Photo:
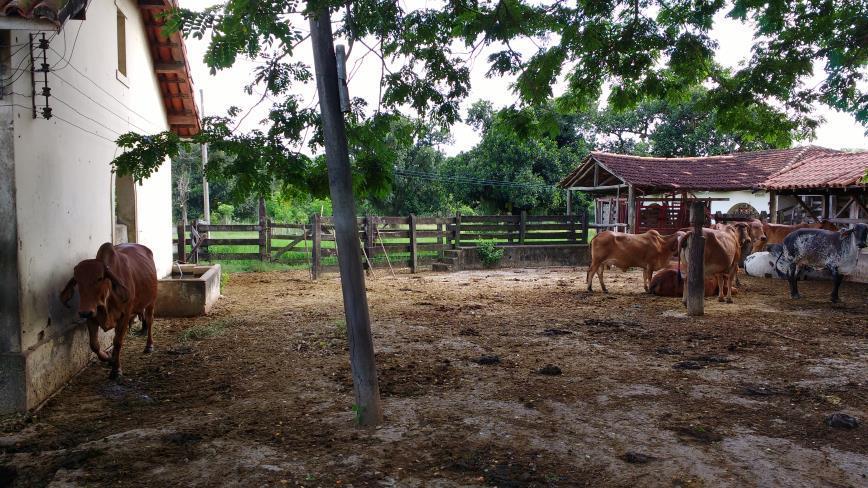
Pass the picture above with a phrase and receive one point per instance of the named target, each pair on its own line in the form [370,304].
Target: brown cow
[118,285]
[777,232]
[649,251]
[667,283]
[723,250]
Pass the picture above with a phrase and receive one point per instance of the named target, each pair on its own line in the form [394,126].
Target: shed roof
[837,170]
[736,171]
[55,11]
[168,53]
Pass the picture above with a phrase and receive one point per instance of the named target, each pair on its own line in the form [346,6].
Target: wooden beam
[183,119]
[806,208]
[845,207]
[153,5]
[170,67]
[596,188]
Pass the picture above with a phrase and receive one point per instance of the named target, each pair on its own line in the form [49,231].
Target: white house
[76,74]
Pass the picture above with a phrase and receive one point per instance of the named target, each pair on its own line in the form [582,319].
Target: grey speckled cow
[837,252]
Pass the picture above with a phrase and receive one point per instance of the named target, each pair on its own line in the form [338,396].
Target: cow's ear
[68,290]
[118,286]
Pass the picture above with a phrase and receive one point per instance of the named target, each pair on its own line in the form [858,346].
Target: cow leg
[794,281]
[600,275]
[721,286]
[837,278]
[148,321]
[590,276]
[729,285]
[120,333]
[649,273]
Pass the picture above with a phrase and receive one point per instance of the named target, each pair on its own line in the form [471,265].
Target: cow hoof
[729,300]
[149,349]
[835,300]
[605,290]
[116,375]
[795,297]
[720,299]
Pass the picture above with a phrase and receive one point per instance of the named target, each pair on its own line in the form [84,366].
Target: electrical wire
[110,95]
[74,42]
[87,117]
[82,128]
[100,104]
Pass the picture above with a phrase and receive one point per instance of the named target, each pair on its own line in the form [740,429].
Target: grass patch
[205,331]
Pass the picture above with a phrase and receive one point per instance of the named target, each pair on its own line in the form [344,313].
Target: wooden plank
[233,242]
[229,228]
[289,246]
[433,220]
[275,225]
[532,226]
[561,219]
[230,256]
[481,228]
[474,219]
[476,236]
[392,220]
[565,235]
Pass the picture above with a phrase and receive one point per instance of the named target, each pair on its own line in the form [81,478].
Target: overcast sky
[839,131]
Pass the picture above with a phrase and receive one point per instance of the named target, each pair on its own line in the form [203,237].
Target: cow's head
[859,232]
[96,283]
[745,243]
[757,234]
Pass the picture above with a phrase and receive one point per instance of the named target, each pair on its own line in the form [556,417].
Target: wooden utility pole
[206,201]
[694,292]
[368,408]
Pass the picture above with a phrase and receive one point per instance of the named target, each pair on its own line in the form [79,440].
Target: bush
[489,253]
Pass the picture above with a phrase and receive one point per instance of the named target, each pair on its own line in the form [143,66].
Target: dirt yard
[259,393]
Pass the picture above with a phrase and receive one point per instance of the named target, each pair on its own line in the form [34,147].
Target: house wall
[64,199]
[758,200]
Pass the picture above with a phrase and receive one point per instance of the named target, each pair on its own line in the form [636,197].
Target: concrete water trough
[189,291]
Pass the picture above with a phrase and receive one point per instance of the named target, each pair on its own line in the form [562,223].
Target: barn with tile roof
[640,193]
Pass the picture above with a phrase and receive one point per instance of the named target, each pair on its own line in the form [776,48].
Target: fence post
[572,236]
[439,240]
[263,231]
[205,251]
[585,226]
[413,256]
[370,229]
[456,231]
[694,292]
[194,242]
[182,243]
[522,226]
[315,248]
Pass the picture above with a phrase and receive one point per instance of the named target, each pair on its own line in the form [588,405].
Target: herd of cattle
[792,252]
[120,284]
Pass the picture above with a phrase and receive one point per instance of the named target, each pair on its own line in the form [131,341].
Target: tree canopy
[641,49]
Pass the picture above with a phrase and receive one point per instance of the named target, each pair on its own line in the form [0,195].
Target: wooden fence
[411,240]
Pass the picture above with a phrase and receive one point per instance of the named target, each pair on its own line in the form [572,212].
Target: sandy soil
[646,397]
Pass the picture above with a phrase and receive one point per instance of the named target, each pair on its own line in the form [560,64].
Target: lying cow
[837,252]
[649,251]
[669,283]
[118,285]
[722,253]
[772,264]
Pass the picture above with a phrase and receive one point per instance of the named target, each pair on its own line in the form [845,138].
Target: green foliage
[223,214]
[205,331]
[489,253]
[644,50]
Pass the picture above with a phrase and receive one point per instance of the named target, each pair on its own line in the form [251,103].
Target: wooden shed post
[315,250]
[631,210]
[585,225]
[569,202]
[413,255]
[694,292]
[440,246]
[773,206]
[522,226]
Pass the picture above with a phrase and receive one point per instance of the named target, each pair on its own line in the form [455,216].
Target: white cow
[763,264]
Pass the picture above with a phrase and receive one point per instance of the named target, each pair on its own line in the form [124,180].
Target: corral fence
[407,241]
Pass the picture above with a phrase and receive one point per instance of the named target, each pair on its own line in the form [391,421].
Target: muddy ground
[259,392]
